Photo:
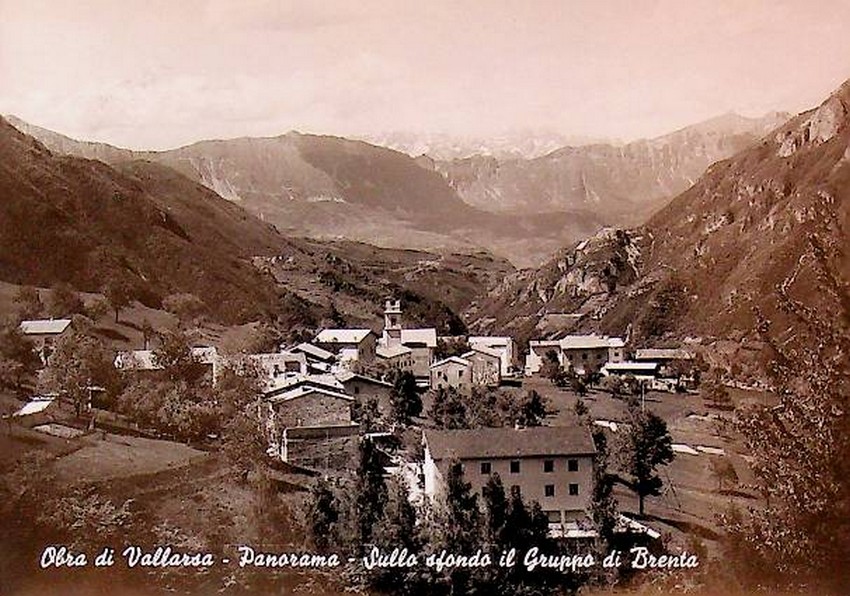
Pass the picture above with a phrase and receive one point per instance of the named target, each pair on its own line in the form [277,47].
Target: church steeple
[392,322]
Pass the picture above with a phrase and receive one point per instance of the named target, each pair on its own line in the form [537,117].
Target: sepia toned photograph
[393,298]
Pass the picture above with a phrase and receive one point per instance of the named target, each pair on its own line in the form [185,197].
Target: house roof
[314,351]
[452,360]
[636,366]
[34,406]
[579,342]
[490,340]
[419,336]
[306,390]
[44,326]
[484,350]
[509,442]
[663,354]
[342,336]
[344,376]
[283,384]
[144,359]
[391,351]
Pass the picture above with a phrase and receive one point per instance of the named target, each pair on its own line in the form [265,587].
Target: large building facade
[552,465]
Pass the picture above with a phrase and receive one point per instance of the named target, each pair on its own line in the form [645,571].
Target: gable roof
[283,384]
[314,351]
[419,336]
[452,360]
[344,376]
[342,336]
[578,342]
[44,326]
[485,351]
[307,390]
[489,340]
[508,442]
[391,351]
[636,366]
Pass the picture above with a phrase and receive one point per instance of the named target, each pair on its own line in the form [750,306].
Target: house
[642,371]
[504,346]
[452,372]
[44,333]
[311,405]
[281,385]
[673,362]
[486,366]
[144,361]
[349,345]
[420,342]
[395,357]
[279,364]
[318,359]
[583,353]
[552,465]
[311,426]
[364,388]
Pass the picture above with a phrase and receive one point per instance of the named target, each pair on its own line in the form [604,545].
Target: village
[431,407]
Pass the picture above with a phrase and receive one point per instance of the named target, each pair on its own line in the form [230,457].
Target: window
[554,516]
[573,489]
[548,465]
[549,490]
[485,467]
[460,374]
[584,356]
[357,390]
[515,467]
[572,465]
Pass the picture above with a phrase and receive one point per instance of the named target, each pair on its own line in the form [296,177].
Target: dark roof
[509,442]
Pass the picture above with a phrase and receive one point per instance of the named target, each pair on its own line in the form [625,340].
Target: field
[693,496]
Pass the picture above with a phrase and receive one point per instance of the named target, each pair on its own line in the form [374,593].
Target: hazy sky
[160,73]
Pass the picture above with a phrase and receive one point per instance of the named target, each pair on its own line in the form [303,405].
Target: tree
[716,393]
[18,360]
[463,523]
[450,347]
[581,409]
[371,490]
[603,504]
[323,515]
[448,410]
[28,302]
[175,356]
[97,308]
[533,409]
[496,506]
[63,301]
[801,446]
[404,398]
[553,370]
[147,331]
[724,472]
[186,307]
[118,293]
[649,445]
[78,364]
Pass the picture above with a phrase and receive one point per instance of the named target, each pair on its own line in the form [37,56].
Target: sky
[163,73]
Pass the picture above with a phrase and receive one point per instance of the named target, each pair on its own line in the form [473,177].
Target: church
[406,349]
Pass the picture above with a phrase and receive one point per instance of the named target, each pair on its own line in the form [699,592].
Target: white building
[503,345]
[582,353]
[421,343]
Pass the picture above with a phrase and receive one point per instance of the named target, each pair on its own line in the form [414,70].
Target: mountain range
[622,184]
[521,209]
[705,263]
[149,227]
